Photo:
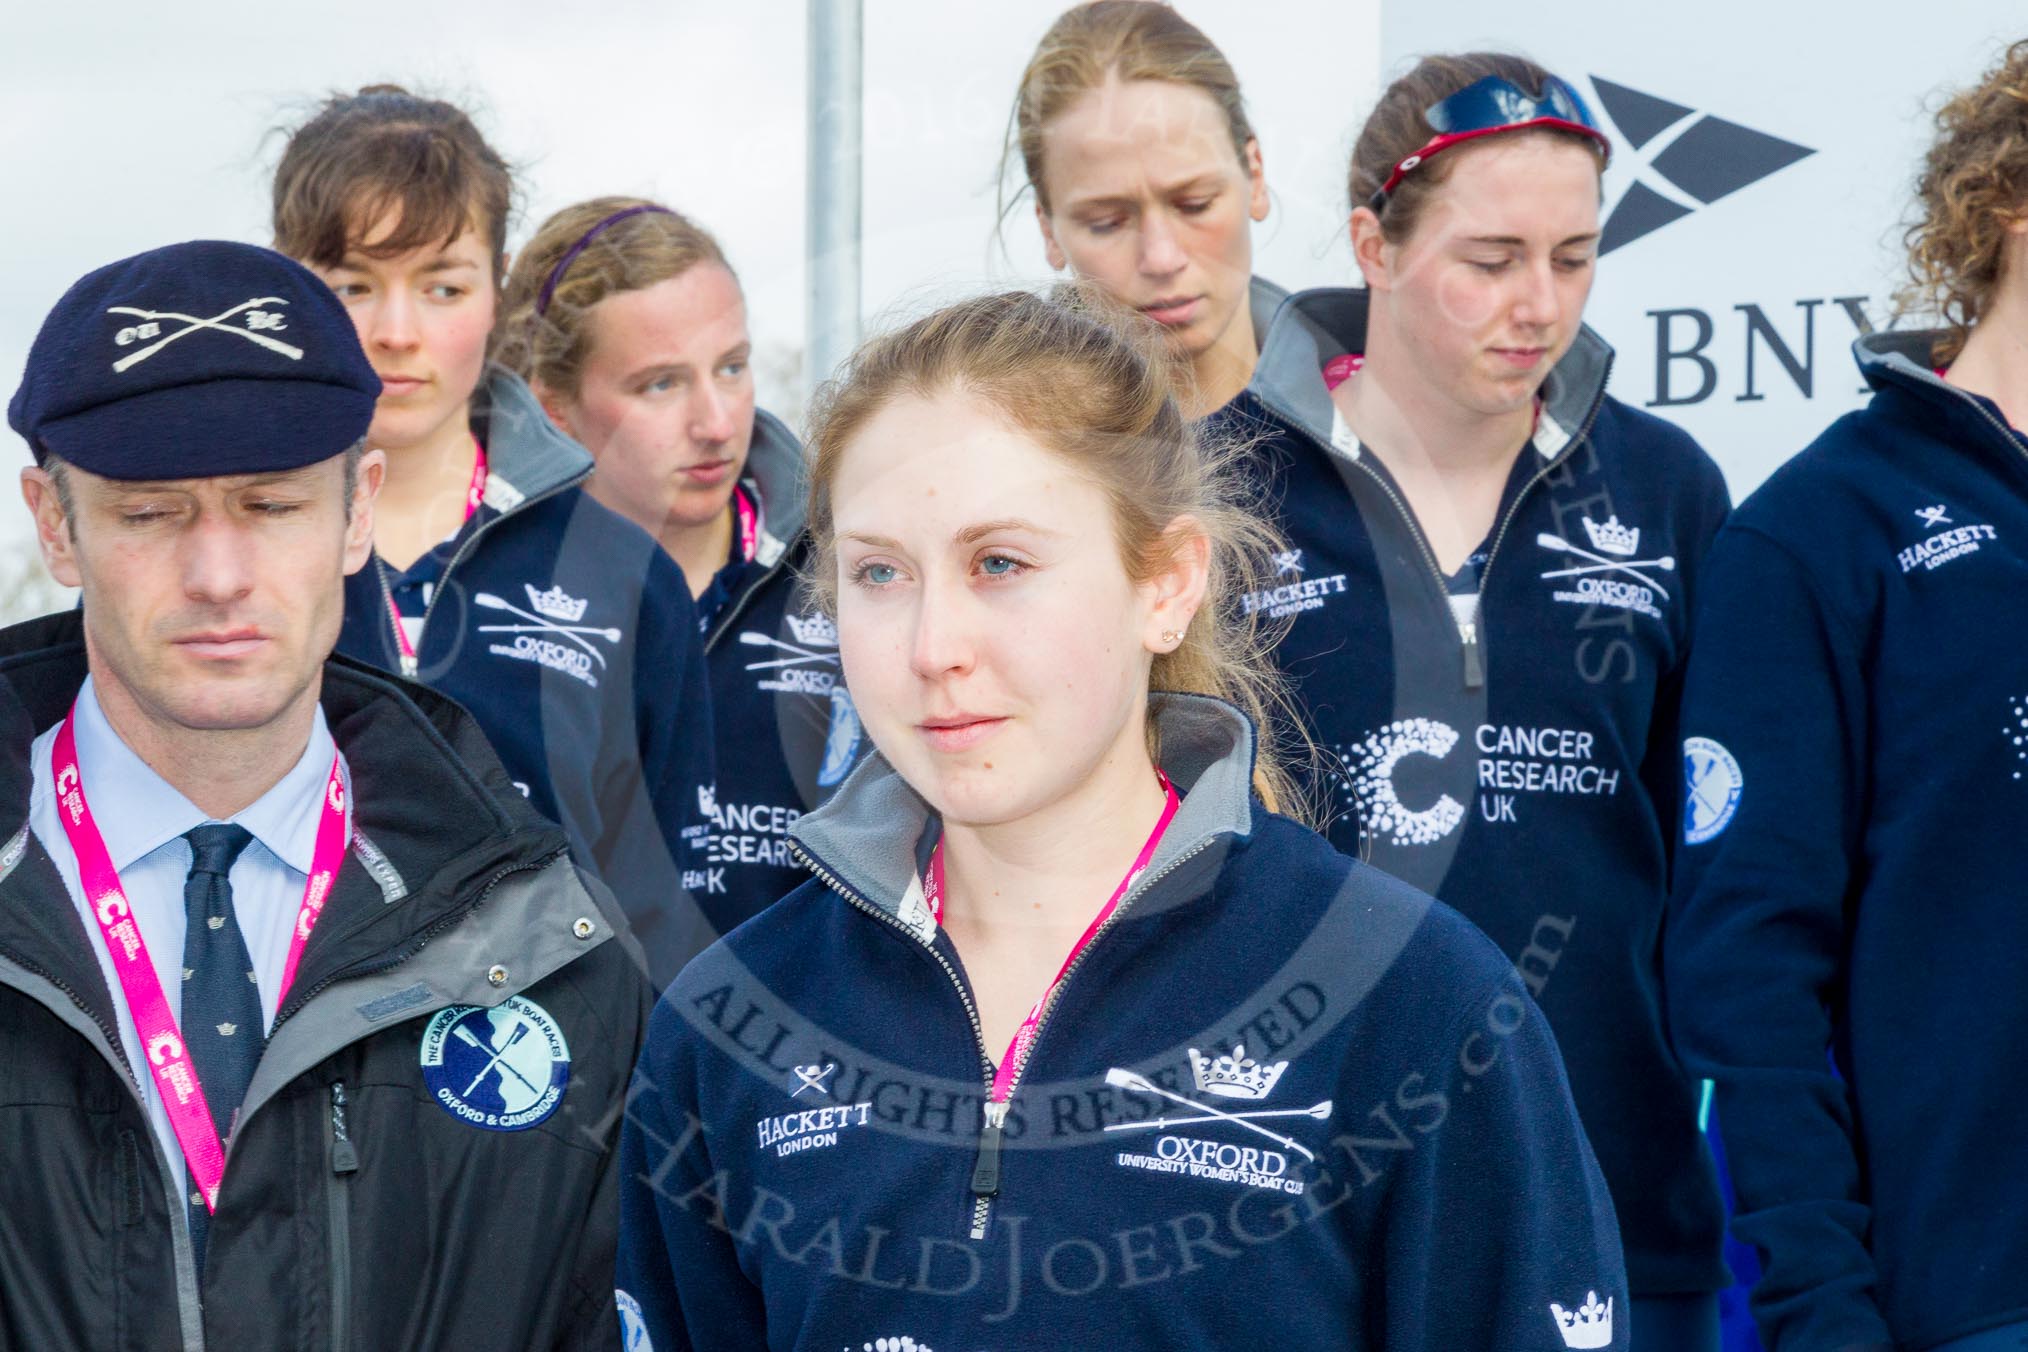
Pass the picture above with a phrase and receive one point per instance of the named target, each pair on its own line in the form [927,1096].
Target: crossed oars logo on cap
[192,324]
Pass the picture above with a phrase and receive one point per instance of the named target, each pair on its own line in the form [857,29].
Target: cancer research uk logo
[1237,1079]
[502,1069]
[1516,763]
[1674,160]
[550,632]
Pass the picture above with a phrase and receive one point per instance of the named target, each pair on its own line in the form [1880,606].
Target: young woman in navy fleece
[630,326]
[1074,1042]
[1135,144]
[1488,596]
[1844,955]
[495,579]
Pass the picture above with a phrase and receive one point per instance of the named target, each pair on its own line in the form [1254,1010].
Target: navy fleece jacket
[1515,756]
[1281,1101]
[787,734]
[570,635]
[1845,949]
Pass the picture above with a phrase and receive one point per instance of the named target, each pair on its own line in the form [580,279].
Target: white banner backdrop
[1763,156]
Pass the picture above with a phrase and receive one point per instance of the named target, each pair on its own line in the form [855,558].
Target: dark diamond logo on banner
[1708,159]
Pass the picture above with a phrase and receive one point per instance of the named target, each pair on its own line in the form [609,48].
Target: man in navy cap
[310,1032]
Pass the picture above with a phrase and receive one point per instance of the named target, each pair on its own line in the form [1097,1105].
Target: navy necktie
[221,1021]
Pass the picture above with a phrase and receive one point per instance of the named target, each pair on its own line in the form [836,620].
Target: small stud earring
[1172,636]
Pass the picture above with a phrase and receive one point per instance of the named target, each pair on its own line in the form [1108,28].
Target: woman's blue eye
[877,574]
[998,565]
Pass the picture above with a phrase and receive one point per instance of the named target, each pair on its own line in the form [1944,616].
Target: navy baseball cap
[194,361]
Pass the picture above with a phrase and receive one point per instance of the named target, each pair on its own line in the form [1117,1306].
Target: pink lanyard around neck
[182,1095]
[1024,1037]
[475,496]
[749,517]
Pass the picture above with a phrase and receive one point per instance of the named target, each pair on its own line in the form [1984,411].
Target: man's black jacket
[360,1209]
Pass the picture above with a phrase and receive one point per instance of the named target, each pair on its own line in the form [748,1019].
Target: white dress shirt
[142,820]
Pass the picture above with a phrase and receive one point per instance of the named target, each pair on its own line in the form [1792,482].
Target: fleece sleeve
[1499,1233]
[1662,761]
[679,1280]
[656,824]
[1774,754]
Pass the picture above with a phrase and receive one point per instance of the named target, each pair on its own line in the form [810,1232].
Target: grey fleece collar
[1263,298]
[866,835]
[1317,325]
[527,455]
[774,462]
[1905,353]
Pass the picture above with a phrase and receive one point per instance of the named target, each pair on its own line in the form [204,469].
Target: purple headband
[570,255]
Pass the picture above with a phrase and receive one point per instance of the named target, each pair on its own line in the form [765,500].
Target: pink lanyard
[749,524]
[182,1095]
[475,494]
[1024,1037]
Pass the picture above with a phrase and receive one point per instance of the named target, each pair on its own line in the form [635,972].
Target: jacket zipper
[338,1196]
[988,1160]
[985,1181]
[411,665]
[986,1166]
[1468,630]
[737,606]
[2007,434]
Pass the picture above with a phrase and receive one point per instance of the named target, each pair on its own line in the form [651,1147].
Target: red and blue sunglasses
[1492,105]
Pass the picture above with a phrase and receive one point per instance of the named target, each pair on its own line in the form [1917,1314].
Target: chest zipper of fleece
[981,1205]
[338,1198]
[985,1185]
[1470,642]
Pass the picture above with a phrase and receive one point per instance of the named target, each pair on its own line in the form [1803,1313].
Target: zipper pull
[409,666]
[986,1171]
[1475,667]
[344,1156]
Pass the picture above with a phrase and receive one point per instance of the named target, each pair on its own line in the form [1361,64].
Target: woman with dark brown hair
[1488,596]
[1844,955]
[495,577]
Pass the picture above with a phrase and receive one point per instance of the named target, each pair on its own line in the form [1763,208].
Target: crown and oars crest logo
[817,630]
[1612,537]
[1590,1325]
[556,604]
[1236,1076]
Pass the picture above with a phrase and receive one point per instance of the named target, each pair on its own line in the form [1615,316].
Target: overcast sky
[124,126]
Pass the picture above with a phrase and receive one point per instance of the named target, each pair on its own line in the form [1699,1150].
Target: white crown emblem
[1589,1325]
[816,630]
[1235,1076]
[1612,537]
[707,800]
[557,604]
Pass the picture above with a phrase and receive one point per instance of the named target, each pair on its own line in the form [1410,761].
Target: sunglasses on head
[1491,105]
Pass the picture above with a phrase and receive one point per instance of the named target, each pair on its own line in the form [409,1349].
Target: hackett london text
[1945,545]
[810,1129]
